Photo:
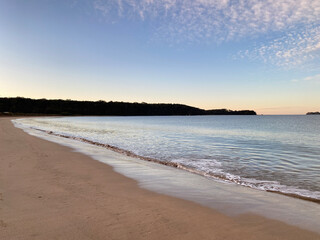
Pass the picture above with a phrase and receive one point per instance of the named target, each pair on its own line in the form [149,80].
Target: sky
[262,55]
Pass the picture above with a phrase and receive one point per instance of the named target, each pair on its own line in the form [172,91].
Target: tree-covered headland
[27,106]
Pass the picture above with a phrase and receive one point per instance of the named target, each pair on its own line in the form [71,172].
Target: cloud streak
[223,19]
[291,50]
[312,79]
[227,20]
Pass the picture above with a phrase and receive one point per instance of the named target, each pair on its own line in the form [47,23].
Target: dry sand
[49,192]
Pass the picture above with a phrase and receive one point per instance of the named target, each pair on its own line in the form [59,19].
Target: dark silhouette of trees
[229,112]
[21,105]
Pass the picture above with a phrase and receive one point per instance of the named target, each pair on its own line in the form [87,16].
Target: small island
[313,113]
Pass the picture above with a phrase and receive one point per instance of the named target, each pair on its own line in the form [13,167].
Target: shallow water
[225,197]
[274,153]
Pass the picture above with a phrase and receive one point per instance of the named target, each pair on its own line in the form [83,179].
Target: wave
[213,172]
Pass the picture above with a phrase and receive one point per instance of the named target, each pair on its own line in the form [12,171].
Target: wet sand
[47,191]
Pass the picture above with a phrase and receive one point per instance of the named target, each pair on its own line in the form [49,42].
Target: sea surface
[269,153]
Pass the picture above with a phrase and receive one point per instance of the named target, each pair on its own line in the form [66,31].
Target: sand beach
[48,191]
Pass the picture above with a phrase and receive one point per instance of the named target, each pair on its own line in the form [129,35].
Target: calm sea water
[274,153]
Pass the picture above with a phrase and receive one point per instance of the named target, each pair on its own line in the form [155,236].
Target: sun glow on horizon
[259,55]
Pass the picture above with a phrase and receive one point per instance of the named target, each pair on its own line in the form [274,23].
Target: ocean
[270,153]
[233,164]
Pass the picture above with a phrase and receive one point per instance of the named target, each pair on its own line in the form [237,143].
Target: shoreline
[49,191]
[171,164]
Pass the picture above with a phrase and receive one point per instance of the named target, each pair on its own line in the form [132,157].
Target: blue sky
[236,54]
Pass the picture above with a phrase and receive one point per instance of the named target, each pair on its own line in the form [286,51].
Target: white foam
[207,167]
[227,198]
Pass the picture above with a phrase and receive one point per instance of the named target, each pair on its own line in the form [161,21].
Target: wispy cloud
[220,19]
[291,50]
[226,20]
[312,79]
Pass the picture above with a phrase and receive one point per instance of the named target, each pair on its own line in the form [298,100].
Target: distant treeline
[313,113]
[29,106]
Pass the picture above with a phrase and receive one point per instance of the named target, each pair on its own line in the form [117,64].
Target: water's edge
[230,199]
[173,164]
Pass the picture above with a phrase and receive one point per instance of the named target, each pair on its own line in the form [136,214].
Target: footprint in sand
[2,224]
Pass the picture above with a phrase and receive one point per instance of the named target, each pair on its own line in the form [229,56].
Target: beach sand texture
[47,191]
